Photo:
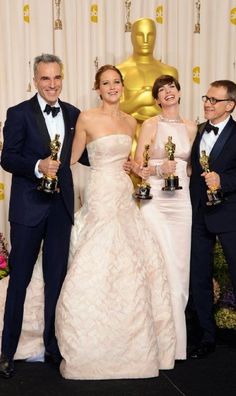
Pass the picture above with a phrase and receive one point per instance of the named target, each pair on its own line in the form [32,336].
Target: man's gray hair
[47,58]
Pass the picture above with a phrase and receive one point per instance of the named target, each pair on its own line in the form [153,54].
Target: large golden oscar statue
[140,71]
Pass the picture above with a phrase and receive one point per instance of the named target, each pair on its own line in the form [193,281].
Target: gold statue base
[214,197]
[49,184]
[142,191]
[171,184]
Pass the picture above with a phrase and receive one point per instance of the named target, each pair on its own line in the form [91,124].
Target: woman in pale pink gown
[31,345]
[114,316]
[169,213]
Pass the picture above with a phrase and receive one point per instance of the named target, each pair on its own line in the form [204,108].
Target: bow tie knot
[51,109]
[209,128]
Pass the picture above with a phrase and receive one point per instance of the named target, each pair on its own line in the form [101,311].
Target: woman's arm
[79,141]
[146,134]
[192,131]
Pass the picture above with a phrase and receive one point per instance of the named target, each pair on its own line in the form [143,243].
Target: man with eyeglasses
[217,137]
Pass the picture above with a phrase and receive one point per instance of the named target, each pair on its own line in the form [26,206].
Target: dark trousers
[201,272]
[54,231]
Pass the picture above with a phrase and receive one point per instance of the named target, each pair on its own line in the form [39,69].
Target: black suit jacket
[222,160]
[26,140]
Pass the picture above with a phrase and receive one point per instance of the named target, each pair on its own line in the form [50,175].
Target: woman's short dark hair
[161,81]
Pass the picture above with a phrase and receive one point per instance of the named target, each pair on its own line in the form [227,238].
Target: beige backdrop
[93,34]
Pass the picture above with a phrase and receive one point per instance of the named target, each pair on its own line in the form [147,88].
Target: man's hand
[48,166]
[212,180]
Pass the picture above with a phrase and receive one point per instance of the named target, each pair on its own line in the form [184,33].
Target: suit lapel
[201,128]
[41,124]
[66,142]
[42,127]
[219,145]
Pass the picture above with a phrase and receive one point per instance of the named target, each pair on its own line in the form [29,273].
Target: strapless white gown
[31,344]
[114,316]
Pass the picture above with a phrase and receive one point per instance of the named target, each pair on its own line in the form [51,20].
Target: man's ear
[230,105]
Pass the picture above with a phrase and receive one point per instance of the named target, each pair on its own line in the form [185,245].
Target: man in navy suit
[217,137]
[38,217]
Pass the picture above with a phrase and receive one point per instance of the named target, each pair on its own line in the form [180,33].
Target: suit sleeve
[15,157]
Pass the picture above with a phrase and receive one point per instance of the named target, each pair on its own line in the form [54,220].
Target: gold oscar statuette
[128,24]
[143,189]
[214,195]
[49,184]
[197,28]
[171,181]
[58,21]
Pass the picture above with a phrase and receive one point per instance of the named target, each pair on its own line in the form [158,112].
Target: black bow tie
[209,128]
[51,109]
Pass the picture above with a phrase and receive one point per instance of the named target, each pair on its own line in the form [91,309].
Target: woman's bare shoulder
[150,123]
[87,114]
[190,123]
[129,118]
[191,127]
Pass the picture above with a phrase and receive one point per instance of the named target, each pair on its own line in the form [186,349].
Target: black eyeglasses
[213,101]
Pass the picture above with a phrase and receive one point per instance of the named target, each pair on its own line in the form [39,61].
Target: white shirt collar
[42,102]
[221,124]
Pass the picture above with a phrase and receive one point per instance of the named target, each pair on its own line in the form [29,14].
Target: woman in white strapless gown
[114,317]
[169,213]
[31,345]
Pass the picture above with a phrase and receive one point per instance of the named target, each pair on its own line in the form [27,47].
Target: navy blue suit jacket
[26,140]
[222,160]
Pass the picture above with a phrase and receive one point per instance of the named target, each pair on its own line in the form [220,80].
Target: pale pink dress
[169,217]
[31,346]
[114,316]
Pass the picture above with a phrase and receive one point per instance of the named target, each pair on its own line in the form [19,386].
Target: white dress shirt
[55,126]
[209,138]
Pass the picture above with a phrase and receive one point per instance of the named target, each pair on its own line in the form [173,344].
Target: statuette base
[142,192]
[49,185]
[214,197]
[171,184]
